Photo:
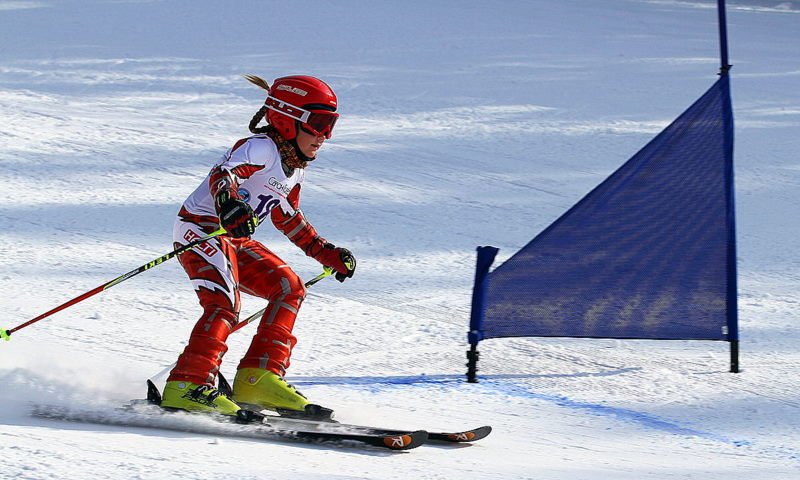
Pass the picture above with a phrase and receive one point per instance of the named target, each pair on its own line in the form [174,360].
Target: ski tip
[405,441]
[5,335]
[466,436]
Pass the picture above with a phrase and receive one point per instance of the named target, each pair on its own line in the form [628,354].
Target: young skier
[257,180]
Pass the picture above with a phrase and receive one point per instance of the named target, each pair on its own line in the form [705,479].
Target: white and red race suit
[223,267]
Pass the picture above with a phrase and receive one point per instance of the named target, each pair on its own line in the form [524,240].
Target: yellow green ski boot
[263,389]
[197,398]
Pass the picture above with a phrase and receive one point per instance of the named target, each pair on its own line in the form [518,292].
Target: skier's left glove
[340,259]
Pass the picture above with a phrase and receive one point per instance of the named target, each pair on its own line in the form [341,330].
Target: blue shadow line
[438,379]
[623,414]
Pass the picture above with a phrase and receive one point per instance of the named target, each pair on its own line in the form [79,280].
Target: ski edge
[465,436]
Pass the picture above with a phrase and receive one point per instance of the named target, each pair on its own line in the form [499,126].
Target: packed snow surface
[463,124]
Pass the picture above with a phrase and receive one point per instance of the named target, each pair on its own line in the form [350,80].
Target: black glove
[237,217]
[338,258]
[349,261]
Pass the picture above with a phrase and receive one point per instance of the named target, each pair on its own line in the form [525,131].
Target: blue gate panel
[649,253]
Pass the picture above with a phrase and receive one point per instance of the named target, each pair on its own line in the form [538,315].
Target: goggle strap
[293,111]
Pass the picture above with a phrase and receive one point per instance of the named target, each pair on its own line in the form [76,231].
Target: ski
[464,436]
[246,425]
[316,417]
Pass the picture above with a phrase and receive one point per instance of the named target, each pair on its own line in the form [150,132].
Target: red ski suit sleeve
[296,227]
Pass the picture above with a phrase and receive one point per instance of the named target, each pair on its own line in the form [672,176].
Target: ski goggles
[316,122]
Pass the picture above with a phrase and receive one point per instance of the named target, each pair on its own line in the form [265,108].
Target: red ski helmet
[303,100]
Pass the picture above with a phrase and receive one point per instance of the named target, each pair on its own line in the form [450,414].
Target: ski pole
[327,271]
[147,266]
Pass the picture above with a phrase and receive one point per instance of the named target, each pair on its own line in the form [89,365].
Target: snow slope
[463,124]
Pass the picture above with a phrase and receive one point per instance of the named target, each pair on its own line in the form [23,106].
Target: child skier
[258,179]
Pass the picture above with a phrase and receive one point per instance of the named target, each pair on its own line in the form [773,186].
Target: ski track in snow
[462,125]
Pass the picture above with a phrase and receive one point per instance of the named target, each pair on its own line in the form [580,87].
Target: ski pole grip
[4,334]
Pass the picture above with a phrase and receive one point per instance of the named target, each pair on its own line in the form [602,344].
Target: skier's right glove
[338,258]
[236,216]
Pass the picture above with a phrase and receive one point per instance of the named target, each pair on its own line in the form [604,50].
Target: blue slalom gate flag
[649,253]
